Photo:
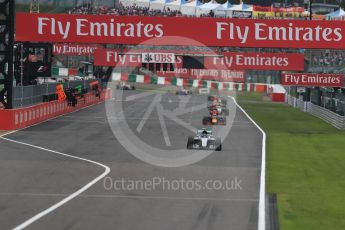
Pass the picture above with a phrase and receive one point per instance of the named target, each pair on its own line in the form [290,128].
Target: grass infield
[305,164]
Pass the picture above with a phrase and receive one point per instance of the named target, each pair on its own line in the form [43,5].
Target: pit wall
[230,86]
[13,119]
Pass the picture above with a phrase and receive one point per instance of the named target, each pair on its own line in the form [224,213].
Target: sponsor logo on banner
[310,79]
[205,74]
[111,57]
[158,58]
[103,57]
[256,61]
[74,49]
[241,14]
[301,89]
[109,29]
[286,12]
[231,60]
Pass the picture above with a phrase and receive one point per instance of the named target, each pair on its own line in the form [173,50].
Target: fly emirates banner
[179,31]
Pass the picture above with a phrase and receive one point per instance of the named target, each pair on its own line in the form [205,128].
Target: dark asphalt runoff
[218,192]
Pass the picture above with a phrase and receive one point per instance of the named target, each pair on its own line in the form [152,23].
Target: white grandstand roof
[189,7]
[336,14]
[173,4]
[157,4]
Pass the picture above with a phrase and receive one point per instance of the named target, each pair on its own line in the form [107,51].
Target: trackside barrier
[12,119]
[333,118]
[297,103]
[195,83]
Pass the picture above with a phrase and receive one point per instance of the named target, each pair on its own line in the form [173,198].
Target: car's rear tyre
[190,142]
[205,121]
[219,144]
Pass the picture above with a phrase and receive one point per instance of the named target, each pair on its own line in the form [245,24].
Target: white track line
[262,209]
[163,125]
[132,197]
[73,195]
[68,198]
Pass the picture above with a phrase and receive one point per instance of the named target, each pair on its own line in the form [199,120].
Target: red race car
[214,119]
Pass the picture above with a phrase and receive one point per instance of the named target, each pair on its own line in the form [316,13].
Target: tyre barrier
[13,119]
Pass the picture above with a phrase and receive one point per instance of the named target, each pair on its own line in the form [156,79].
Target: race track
[34,179]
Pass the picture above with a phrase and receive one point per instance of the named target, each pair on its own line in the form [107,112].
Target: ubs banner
[310,79]
[109,29]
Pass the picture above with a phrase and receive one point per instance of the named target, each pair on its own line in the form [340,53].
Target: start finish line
[157,30]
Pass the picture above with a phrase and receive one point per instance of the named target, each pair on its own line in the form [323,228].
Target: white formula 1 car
[217,99]
[124,86]
[184,92]
[205,140]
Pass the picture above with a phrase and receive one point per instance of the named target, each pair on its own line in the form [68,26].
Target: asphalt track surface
[33,179]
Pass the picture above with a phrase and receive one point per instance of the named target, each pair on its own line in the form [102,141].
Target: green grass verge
[305,165]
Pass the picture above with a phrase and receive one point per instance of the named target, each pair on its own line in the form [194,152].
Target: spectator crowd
[133,10]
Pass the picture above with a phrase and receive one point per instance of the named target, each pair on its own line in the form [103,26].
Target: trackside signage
[223,61]
[108,29]
[158,58]
[113,57]
[310,79]
[74,49]
[205,74]
[256,61]
[104,57]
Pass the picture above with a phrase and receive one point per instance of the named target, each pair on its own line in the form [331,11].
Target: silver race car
[217,99]
[205,140]
[124,86]
[184,92]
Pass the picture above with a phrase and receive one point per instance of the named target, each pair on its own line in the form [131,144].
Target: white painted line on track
[262,208]
[180,122]
[79,121]
[7,133]
[148,112]
[183,111]
[139,96]
[163,125]
[69,197]
[133,197]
